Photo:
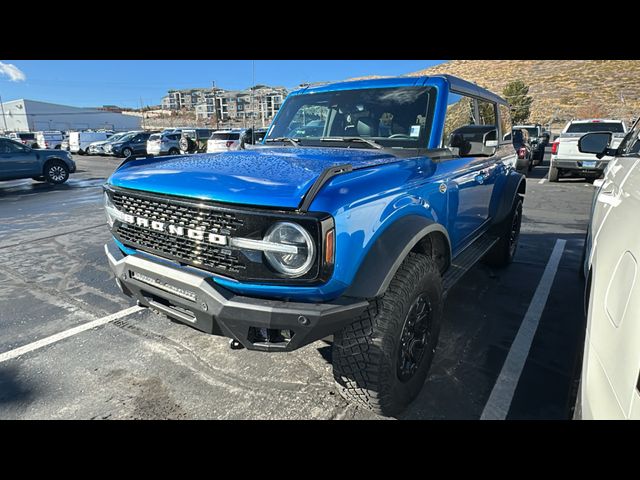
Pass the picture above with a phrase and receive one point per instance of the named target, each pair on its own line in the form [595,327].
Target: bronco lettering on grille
[195,234]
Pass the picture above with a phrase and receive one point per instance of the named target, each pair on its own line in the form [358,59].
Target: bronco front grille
[241,222]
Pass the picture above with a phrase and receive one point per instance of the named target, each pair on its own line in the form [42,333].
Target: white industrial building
[32,116]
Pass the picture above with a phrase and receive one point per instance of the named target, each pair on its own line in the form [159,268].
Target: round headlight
[290,264]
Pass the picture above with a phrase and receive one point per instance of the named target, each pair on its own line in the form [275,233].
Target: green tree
[516,94]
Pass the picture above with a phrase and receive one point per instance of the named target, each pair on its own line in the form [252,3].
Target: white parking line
[543,180]
[66,334]
[501,396]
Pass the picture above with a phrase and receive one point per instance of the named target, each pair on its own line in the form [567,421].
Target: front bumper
[191,297]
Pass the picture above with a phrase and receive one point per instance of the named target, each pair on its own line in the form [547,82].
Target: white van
[79,141]
[49,140]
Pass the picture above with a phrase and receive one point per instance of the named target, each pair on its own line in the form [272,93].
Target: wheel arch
[411,233]
[516,184]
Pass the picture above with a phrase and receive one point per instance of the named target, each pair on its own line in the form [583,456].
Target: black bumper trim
[191,297]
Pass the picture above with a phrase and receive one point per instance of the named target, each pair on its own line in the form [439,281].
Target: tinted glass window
[614,127]
[225,136]
[7,146]
[155,136]
[27,136]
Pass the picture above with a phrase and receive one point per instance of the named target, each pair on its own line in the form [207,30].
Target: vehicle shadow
[14,391]
[30,187]
[482,316]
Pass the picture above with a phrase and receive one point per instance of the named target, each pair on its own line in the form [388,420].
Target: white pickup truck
[566,160]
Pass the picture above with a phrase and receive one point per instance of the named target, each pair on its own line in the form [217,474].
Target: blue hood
[271,177]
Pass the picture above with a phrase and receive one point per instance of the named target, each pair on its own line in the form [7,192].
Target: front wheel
[381,360]
[56,172]
[127,152]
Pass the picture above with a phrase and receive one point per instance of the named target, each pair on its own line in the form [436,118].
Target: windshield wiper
[352,139]
[292,141]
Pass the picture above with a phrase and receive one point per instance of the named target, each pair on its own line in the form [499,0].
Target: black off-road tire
[553,174]
[56,172]
[505,249]
[366,354]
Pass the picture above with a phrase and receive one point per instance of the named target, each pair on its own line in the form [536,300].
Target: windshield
[615,127]
[392,117]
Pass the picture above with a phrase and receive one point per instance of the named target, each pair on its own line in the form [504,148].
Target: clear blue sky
[89,83]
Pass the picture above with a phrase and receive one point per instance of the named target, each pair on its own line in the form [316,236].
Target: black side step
[467,259]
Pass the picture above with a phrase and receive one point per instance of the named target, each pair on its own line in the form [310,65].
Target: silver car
[165,143]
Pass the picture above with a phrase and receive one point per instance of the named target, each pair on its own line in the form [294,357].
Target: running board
[467,259]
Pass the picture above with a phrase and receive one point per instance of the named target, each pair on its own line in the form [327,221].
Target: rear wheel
[174,151]
[382,359]
[553,174]
[127,152]
[504,250]
[56,172]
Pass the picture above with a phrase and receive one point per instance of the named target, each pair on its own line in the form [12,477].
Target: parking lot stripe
[544,179]
[499,402]
[66,334]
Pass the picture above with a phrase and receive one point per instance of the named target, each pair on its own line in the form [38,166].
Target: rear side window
[155,136]
[27,136]
[505,122]
[225,136]
[614,127]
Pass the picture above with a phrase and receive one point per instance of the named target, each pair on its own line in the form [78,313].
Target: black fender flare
[387,253]
[516,183]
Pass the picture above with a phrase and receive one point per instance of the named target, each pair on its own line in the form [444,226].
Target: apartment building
[257,105]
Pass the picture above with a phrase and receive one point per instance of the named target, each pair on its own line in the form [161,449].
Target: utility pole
[4,120]
[142,111]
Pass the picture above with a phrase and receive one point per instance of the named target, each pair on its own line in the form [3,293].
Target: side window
[468,125]
[11,147]
[460,113]
[631,144]
[505,123]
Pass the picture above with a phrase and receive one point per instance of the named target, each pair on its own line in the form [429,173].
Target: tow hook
[235,344]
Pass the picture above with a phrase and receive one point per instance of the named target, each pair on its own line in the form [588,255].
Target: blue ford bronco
[364,204]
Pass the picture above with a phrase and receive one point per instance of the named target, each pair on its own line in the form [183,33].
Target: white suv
[610,381]
[224,140]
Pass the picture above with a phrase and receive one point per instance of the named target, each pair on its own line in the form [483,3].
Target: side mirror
[595,142]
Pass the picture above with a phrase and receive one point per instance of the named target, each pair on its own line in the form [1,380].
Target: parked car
[610,380]
[195,140]
[26,138]
[538,138]
[522,144]
[567,161]
[97,148]
[165,143]
[21,161]
[252,137]
[79,141]
[133,144]
[357,232]
[224,140]
[49,140]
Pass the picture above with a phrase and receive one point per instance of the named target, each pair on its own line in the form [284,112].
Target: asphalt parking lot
[54,277]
